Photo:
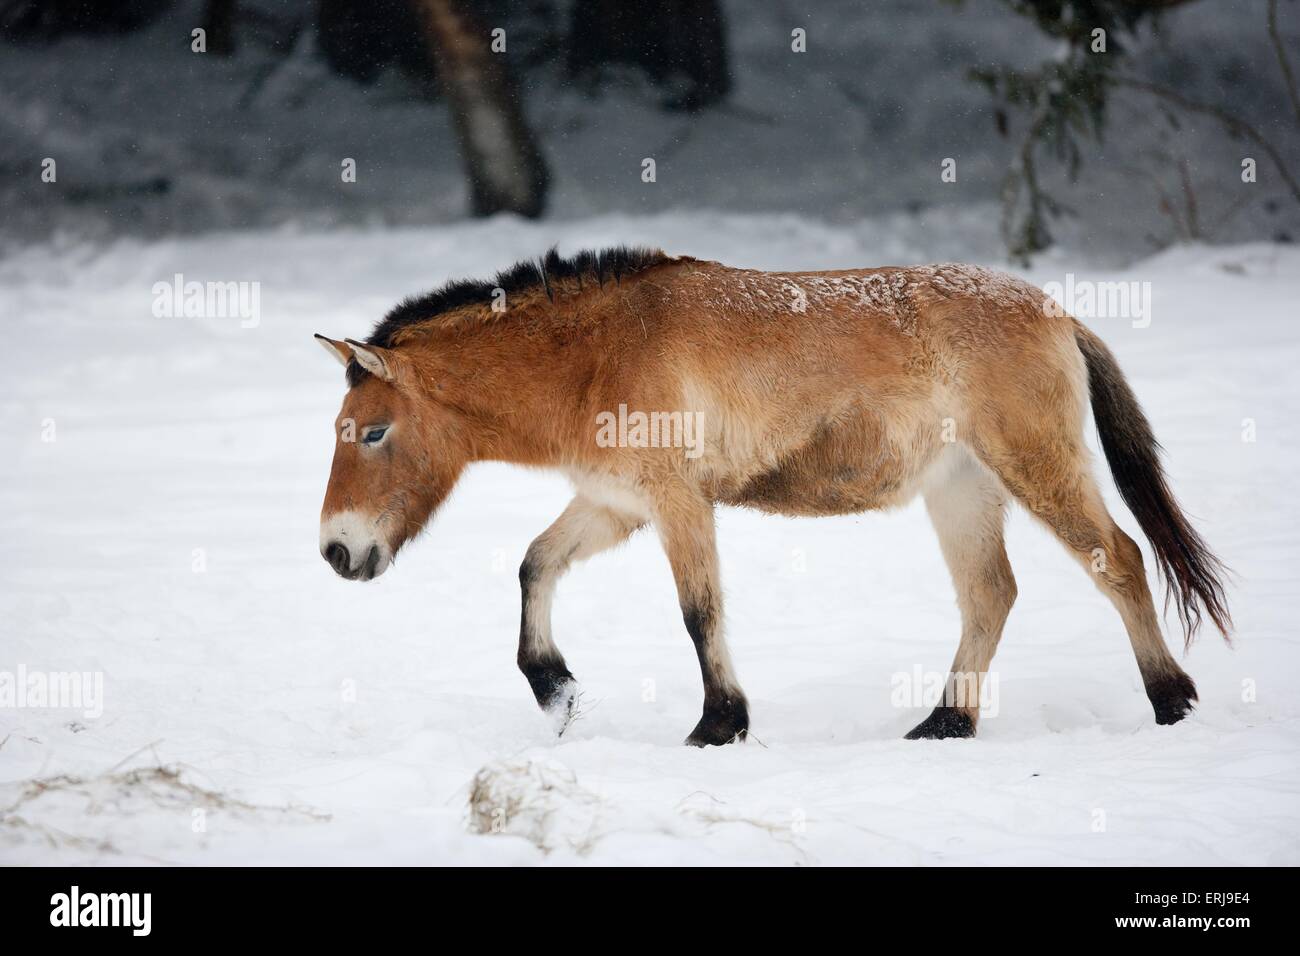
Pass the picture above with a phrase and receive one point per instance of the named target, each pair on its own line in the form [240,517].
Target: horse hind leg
[1049,474]
[967,506]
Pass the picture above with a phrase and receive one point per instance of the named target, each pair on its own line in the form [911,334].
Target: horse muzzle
[352,553]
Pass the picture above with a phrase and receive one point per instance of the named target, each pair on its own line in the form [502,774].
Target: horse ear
[373,359]
[340,350]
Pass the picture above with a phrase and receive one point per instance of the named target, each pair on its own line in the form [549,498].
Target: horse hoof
[560,706]
[727,723]
[1171,697]
[942,724]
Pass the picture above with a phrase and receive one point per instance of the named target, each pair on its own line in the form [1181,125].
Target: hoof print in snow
[109,813]
[942,724]
[539,801]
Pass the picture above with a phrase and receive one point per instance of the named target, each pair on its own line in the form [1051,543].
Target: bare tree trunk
[505,167]
[1282,60]
[219,24]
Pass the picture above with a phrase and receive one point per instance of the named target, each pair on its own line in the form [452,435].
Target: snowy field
[159,502]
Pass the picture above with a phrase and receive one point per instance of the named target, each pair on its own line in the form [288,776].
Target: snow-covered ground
[159,498]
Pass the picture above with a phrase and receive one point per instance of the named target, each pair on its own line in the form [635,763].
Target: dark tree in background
[504,165]
[46,20]
[445,48]
[219,24]
[681,45]
[361,38]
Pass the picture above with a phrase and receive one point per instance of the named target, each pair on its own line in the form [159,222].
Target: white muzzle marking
[365,553]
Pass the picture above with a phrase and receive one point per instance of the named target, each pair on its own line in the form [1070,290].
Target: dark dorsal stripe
[599,267]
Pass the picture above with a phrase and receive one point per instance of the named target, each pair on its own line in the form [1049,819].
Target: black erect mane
[545,272]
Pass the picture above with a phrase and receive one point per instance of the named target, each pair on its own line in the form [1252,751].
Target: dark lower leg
[686,529]
[582,530]
[1171,694]
[726,712]
[1121,576]
[538,658]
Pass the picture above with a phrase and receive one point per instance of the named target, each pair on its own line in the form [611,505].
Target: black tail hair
[1192,574]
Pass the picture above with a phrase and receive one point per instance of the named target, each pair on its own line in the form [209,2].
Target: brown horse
[664,386]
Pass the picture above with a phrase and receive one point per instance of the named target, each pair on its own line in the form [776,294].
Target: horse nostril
[337,555]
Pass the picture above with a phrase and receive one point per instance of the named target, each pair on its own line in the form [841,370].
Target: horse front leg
[584,529]
[686,527]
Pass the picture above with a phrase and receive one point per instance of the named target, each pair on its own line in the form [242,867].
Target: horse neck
[518,394]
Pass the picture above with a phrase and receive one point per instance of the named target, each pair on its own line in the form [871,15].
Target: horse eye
[373,435]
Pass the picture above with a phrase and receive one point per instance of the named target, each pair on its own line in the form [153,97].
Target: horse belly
[846,468]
